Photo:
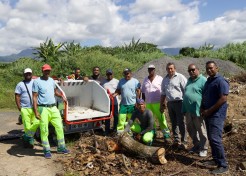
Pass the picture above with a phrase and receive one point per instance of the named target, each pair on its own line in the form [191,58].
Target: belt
[47,105]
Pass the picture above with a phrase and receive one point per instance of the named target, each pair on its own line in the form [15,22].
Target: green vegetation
[235,52]
[64,57]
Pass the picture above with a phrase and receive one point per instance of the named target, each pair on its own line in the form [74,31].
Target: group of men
[196,106]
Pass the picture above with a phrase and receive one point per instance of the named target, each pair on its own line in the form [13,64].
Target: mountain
[13,57]
[171,51]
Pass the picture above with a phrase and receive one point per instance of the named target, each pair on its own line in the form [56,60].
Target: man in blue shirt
[213,109]
[44,104]
[23,100]
[129,89]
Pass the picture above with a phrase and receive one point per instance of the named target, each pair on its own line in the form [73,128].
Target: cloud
[114,22]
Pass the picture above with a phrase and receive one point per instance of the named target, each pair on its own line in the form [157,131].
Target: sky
[166,23]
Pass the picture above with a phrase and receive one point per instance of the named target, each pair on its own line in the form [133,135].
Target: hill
[226,68]
[13,57]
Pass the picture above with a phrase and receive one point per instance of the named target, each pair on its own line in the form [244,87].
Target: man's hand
[205,113]
[37,115]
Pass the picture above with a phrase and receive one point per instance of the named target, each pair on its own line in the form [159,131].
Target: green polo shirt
[193,95]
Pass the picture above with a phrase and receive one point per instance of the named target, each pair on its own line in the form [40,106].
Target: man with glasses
[111,84]
[172,91]
[151,93]
[129,89]
[191,107]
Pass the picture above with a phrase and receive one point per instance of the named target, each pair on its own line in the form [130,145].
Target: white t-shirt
[111,86]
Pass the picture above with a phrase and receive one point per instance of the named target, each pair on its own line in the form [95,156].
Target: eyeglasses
[191,70]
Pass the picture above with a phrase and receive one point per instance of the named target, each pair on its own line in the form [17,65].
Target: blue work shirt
[128,90]
[45,90]
[24,97]
[213,89]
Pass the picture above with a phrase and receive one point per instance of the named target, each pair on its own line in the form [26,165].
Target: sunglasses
[191,70]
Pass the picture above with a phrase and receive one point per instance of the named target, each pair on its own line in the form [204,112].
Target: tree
[48,51]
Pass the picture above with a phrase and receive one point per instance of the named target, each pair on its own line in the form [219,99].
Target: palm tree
[48,51]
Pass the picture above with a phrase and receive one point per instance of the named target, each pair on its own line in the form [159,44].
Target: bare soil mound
[226,68]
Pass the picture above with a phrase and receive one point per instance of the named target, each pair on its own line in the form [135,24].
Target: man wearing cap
[44,103]
[111,84]
[151,93]
[129,89]
[23,100]
[172,91]
[144,126]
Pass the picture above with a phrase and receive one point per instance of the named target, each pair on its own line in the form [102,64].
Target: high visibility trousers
[125,114]
[30,122]
[52,115]
[155,108]
[147,138]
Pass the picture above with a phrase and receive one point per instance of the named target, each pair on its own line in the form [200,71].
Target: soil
[17,160]
[90,155]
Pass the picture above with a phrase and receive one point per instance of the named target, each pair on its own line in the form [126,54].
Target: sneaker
[203,153]
[63,151]
[194,149]
[220,170]
[210,163]
[47,155]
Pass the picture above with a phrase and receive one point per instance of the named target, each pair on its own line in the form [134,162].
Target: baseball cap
[127,70]
[140,101]
[46,67]
[28,70]
[151,66]
[109,71]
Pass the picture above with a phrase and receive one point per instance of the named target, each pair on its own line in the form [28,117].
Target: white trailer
[87,106]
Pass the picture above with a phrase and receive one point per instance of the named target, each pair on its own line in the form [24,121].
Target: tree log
[154,154]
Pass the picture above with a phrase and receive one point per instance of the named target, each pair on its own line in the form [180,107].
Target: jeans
[215,124]
[107,122]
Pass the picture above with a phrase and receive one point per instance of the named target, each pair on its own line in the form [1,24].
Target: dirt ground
[16,160]
[90,159]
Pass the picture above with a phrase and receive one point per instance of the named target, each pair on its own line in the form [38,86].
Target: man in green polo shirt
[191,107]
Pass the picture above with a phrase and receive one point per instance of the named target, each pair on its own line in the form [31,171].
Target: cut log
[154,154]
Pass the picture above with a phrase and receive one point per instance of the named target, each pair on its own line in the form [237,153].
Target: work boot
[63,151]
[167,139]
[47,154]
[183,146]
[28,142]
[220,170]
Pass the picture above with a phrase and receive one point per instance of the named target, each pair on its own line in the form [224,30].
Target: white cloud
[163,22]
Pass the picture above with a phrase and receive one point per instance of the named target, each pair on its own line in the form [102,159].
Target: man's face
[96,71]
[141,107]
[46,73]
[171,70]
[151,71]
[211,69]
[77,72]
[127,75]
[28,76]
[193,71]
[109,76]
